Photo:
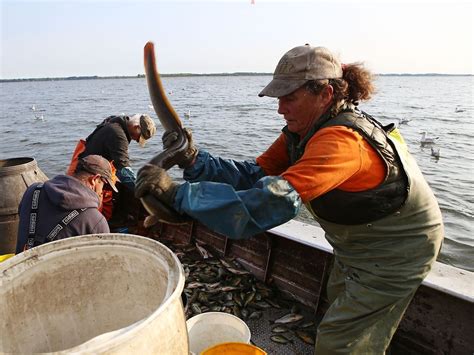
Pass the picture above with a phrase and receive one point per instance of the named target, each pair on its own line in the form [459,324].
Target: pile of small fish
[216,284]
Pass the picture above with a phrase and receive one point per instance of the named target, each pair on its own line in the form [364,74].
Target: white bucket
[108,293]
[211,328]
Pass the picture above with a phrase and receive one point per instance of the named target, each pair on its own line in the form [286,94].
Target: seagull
[458,109]
[403,120]
[33,108]
[187,114]
[39,117]
[427,140]
[435,152]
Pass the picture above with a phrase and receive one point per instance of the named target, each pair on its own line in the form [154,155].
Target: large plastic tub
[109,293]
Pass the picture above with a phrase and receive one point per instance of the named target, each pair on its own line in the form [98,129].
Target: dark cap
[95,164]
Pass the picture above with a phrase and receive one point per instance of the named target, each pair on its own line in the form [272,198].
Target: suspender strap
[34,239]
[64,222]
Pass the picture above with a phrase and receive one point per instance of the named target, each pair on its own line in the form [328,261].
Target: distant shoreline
[192,75]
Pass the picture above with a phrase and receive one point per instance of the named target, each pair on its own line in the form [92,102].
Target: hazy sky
[59,38]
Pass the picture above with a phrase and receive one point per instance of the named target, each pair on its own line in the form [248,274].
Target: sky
[106,38]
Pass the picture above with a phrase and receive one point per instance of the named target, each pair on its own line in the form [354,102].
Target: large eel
[170,121]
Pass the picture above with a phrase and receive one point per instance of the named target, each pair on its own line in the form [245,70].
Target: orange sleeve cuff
[275,160]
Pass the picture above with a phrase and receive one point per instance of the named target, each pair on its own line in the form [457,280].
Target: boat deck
[296,258]
[261,333]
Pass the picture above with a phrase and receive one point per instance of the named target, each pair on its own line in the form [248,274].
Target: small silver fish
[238,272]
[204,253]
[228,288]
[294,309]
[280,339]
[238,299]
[225,263]
[236,311]
[272,303]
[279,329]
[306,337]
[262,305]
[236,281]
[192,285]
[196,309]
[289,318]
[255,315]
[306,325]
[249,298]
[203,297]
[214,285]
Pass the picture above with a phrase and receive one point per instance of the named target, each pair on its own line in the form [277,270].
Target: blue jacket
[235,198]
[58,197]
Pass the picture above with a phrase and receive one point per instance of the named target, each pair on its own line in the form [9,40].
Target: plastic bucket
[234,349]
[108,293]
[208,329]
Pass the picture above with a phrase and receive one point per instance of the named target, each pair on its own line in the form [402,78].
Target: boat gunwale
[442,277]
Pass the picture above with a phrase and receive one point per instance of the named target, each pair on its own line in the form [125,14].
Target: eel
[170,121]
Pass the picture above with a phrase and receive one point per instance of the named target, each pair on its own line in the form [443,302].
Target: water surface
[229,119]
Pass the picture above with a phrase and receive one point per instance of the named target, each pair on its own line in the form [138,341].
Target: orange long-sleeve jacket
[335,157]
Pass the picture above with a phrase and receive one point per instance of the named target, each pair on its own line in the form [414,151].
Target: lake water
[228,119]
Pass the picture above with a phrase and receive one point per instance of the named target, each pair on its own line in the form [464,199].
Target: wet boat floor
[261,332]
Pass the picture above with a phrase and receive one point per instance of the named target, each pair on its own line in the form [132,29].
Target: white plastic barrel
[212,328]
[108,293]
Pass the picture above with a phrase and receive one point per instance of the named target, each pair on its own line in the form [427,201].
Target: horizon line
[89,77]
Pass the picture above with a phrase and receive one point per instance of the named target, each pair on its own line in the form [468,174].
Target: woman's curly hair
[355,85]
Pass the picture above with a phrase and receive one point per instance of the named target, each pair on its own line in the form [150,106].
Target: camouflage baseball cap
[147,128]
[298,66]
[96,164]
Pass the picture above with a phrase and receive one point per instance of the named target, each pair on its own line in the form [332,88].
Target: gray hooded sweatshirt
[58,197]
